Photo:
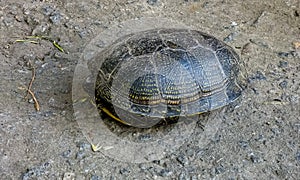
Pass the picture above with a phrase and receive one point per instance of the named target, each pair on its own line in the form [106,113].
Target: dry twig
[32,79]
[37,40]
[36,103]
[28,89]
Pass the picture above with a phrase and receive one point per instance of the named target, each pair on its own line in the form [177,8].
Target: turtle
[159,74]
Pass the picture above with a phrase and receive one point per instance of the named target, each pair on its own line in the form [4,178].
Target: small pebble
[19,18]
[145,137]
[36,171]
[191,169]
[233,23]
[255,90]
[287,54]
[8,21]
[295,53]
[69,176]
[47,10]
[55,18]
[41,28]
[276,131]
[283,64]
[182,159]
[95,177]
[283,84]
[152,2]
[142,166]
[156,161]
[219,169]
[257,76]
[80,155]
[190,152]
[243,144]
[67,153]
[183,176]
[255,158]
[216,138]
[83,33]
[298,156]
[69,162]
[31,101]
[230,37]
[165,173]
[83,146]
[100,44]
[283,54]
[48,113]
[194,177]
[124,171]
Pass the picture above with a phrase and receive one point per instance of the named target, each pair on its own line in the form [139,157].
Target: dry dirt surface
[259,139]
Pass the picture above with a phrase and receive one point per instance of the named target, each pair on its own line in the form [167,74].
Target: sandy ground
[258,140]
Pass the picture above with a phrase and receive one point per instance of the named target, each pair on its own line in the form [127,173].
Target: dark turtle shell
[162,73]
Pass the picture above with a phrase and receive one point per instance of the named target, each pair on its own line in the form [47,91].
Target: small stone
[243,144]
[36,171]
[255,158]
[165,173]
[26,11]
[230,37]
[63,113]
[298,156]
[283,54]
[80,155]
[182,159]
[47,10]
[233,23]
[219,169]
[41,28]
[55,18]
[69,176]
[205,4]
[69,162]
[48,113]
[257,76]
[152,2]
[19,18]
[83,33]
[190,152]
[142,166]
[283,64]
[31,101]
[156,162]
[83,146]
[95,177]
[294,53]
[124,171]
[144,137]
[283,84]
[276,131]
[100,44]
[66,154]
[255,90]
[183,176]
[190,169]
[194,177]
[288,54]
